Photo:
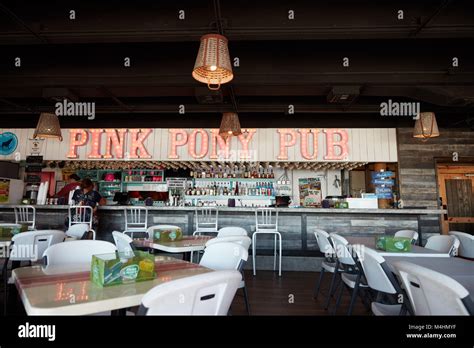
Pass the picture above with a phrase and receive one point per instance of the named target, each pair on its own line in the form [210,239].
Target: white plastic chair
[30,246]
[413,235]
[26,215]
[123,243]
[443,243]
[228,253]
[77,231]
[207,220]
[380,278]
[204,294]
[352,275]
[433,293]
[231,231]
[329,264]
[77,252]
[136,220]
[266,222]
[245,241]
[466,247]
[80,214]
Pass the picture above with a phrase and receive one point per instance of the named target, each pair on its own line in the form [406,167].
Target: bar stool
[266,222]
[26,215]
[136,220]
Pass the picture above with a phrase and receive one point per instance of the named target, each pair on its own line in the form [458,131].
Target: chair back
[123,243]
[413,235]
[377,272]
[266,220]
[80,214]
[26,215]
[77,252]
[324,244]
[443,243]
[245,241]
[224,256]
[466,241]
[433,293]
[207,219]
[136,219]
[204,294]
[30,246]
[342,251]
[77,230]
[231,231]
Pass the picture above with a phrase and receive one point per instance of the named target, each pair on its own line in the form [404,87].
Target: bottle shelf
[227,197]
[234,179]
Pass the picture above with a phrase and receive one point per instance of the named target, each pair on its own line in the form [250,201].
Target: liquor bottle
[237,192]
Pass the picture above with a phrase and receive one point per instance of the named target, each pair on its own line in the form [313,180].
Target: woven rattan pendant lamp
[212,65]
[48,127]
[230,125]
[426,126]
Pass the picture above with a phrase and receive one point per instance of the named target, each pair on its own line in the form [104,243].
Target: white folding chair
[77,231]
[433,293]
[136,220]
[207,220]
[80,214]
[266,222]
[466,247]
[413,235]
[351,275]
[231,231]
[123,243]
[329,263]
[77,252]
[380,278]
[204,294]
[443,243]
[26,215]
[228,253]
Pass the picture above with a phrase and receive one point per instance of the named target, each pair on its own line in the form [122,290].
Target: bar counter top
[250,209]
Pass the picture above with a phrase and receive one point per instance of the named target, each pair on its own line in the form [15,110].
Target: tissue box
[167,234]
[9,230]
[122,268]
[393,244]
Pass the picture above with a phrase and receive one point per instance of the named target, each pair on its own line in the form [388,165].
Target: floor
[269,294]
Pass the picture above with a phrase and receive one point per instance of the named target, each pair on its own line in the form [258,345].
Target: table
[461,270]
[416,251]
[185,245]
[60,290]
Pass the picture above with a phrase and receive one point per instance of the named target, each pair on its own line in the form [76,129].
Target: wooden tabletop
[60,290]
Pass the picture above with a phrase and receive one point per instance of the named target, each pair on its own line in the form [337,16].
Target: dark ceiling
[282,62]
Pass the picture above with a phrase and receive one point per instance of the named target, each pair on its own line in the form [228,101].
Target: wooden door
[456,187]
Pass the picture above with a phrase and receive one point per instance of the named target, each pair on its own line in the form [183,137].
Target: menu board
[383,183]
[4,190]
[310,192]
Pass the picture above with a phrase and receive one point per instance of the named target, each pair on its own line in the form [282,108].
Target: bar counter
[296,225]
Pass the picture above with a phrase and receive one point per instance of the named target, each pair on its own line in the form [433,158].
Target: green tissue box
[393,244]
[122,268]
[9,230]
[167,234]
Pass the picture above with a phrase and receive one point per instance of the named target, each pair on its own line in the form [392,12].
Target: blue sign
[8,143]
[386,182]
[381,175]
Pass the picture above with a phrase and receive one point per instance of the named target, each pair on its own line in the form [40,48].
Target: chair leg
[317,286]
[254,250]
[5,286]
[354,295]
[246,299]
[280,255]
[339,298]
[331,287]
[274,251]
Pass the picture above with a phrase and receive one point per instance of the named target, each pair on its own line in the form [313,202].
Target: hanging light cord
[220,30]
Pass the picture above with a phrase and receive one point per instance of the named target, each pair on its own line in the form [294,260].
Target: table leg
[420,236]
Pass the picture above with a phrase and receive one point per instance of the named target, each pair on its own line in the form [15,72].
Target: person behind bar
[63,195]
[86,195]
